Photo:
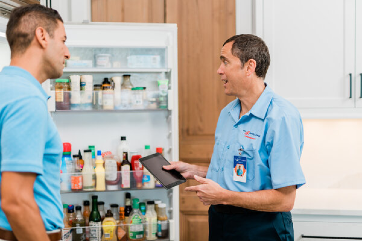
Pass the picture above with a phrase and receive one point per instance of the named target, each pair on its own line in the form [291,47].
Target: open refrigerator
[146,52]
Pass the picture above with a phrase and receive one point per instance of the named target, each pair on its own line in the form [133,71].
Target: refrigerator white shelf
[101,111]
[119,190]
[116,70]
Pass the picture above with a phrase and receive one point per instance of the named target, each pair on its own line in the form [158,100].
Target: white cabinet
[314,54]
[327,227]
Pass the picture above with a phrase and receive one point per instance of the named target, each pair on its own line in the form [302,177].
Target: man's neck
[253,93]
[31,63]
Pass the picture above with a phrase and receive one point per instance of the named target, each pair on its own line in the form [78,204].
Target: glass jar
[97,97]
[62,91]
[138,97]
[126,84]
[107,95]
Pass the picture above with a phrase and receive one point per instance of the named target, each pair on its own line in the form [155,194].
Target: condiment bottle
[147,179]
[66,168]
[112,176]
[136,227]
[92,148]
[126,172]
[115,211]
[101,209]
[70,215]
[137,170]
[156,203]
[66,232]
[107,95]
[94,221]
[150,222]
[109,227]
[162,223]
[123,147]
[127,208]
[122,227]
[78,225]
[160,151]
[76,177]
[126,92]
[81,161]
[100,173]
[97,97]
[86,213]
[89,176]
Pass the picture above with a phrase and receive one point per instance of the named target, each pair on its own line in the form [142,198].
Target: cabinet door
[359,68]
[312,46]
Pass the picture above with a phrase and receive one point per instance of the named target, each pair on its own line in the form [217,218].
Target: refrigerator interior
[104,128]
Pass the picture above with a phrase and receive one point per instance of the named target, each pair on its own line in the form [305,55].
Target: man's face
[57,52]
[231,72]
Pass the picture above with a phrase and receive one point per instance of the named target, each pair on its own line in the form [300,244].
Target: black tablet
[168,178]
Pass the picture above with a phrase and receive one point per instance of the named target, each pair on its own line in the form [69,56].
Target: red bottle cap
[66,147]
[159,150]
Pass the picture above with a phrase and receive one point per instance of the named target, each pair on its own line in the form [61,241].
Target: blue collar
[12,70]
[258,110]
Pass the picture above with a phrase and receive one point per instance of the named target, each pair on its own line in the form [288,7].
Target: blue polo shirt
[270,136]
[29,142]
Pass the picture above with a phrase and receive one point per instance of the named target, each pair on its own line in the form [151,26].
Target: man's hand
[187,170]
[209,192]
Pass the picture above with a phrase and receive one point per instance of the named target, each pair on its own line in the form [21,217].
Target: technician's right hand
[186,170]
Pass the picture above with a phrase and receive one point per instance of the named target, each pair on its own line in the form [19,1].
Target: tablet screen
[154,163]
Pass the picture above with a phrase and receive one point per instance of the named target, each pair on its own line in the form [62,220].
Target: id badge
[239,168]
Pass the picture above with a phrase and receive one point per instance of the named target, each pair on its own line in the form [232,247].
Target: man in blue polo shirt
[30,146]
[261,132]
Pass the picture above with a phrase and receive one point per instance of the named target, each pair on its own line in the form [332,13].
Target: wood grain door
[203,26]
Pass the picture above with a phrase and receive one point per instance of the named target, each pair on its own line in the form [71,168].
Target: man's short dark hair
[23,22]
[246,47]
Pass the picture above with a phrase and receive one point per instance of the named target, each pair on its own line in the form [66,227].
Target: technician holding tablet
[255,170]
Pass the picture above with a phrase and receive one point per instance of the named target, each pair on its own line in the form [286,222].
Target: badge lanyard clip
[240,150]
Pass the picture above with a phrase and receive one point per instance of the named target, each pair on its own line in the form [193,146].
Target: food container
[103,60]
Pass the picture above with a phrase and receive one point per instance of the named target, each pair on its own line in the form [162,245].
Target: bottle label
[121,232]
[111,170]
[146,179]
[136,228]
[76,182]
[162,226]
[125,176]
[67,234]
[59,95]
[94,231]
[109,229]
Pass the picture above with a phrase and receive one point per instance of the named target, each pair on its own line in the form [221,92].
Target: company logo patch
[251,135]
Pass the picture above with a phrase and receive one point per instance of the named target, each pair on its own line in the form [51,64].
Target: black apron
[228,223]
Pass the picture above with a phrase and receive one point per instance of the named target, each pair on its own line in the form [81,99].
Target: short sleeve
[284,146]
[23,134]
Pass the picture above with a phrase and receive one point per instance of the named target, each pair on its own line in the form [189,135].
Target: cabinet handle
[361,85]
[350,74]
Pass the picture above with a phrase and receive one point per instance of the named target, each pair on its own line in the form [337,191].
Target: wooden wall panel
[142,11]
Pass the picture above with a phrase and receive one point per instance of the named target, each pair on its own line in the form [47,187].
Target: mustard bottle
[109,227]
[100,173]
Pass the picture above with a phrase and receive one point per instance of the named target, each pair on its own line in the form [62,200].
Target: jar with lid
[126,92]
[138,97]
[97,97]
[107,95]
[62,91]
[126,84]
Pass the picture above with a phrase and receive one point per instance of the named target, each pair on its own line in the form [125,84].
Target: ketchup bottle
[137,170]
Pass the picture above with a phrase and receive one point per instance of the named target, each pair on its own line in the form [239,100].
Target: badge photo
[239,169]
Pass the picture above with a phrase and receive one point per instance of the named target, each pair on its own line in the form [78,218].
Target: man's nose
[220,71]
[67,54]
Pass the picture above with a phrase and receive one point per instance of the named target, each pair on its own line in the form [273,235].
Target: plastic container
[97,97]
[75,92]
[103,60]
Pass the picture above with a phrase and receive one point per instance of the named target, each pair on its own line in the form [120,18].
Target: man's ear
[250,66]
[42,37]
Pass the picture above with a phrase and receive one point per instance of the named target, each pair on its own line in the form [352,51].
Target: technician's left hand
[209,192]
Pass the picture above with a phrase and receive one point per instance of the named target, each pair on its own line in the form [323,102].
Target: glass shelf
[113,181]
[81,233]
[115,70]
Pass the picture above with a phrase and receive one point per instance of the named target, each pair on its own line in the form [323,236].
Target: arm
[187,170]
[19,206]
[272,200]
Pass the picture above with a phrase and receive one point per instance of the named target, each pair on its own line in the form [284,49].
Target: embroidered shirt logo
[251,135]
